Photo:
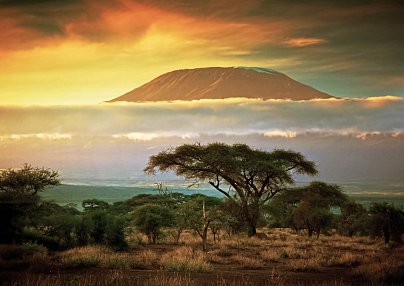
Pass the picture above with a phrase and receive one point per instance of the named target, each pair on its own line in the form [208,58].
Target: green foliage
[115,233]
[150,218]
[386,220]
[99,222]
[28,180]
[168,200]
[19,199]
[308,207]
[353,219]
[82,228]
[233,216]
[253,176]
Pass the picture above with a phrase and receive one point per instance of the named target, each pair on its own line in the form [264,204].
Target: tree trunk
[177,239]
[204,241]
[252,215]
[310,231]
[386,233]
[252,230]
[203,234]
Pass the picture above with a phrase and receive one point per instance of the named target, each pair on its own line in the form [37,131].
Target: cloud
[147,121]
[303,42]
[351,139]
[40,136]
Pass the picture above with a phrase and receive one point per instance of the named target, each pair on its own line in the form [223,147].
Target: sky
[64,52]
[61,59]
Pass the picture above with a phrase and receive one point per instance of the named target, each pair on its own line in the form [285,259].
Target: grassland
[280,257]
[75,194]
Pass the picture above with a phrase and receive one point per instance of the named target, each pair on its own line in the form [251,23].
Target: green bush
[150,218]
[115,234]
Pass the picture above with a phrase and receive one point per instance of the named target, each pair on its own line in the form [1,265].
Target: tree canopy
[249,177]
[27,180]
[307,207]
[19,197]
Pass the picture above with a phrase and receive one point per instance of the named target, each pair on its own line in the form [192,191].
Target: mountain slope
[219,83]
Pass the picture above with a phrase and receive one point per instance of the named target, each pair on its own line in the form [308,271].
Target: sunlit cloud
[280,133]
[39,136]
[145,136]
[303,42]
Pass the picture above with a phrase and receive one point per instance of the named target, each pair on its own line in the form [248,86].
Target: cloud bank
[350,139]
[149,121]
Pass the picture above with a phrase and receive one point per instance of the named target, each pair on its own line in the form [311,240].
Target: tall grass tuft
[185,259]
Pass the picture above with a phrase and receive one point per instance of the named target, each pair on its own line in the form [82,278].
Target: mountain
[221,82]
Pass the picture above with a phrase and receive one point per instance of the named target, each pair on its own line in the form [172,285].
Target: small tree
[19,198]
[182,218]
[353,219]
[99,222]
[115,233]
[253,177]
[386,220]
[308,207]
[200,218]
[149,219]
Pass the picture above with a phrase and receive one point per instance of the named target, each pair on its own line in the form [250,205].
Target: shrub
[150,218]
[115,234]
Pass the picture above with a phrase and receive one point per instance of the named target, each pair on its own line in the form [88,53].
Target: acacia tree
[27,180]
[252,176]
[19,197]
[307,207]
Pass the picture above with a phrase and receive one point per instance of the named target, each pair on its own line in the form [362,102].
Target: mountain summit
[220,83]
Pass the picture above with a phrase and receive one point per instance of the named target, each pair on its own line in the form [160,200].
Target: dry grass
[364,258]
[272,255]
[246,262]
[345,259]
[84,256]
[274,279]
[114,278]
[311,264]
[388,269]
[90,256]
[185,259]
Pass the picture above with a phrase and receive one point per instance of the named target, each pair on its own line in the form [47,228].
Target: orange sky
[83,52]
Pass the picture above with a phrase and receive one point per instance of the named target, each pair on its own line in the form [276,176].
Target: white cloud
[40,136]
[188,120]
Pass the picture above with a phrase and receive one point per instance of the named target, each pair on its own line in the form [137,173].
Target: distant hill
[220,83]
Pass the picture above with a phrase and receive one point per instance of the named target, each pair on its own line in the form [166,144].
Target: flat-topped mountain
[220,83]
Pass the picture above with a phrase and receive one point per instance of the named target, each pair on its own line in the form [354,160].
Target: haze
[356,139]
